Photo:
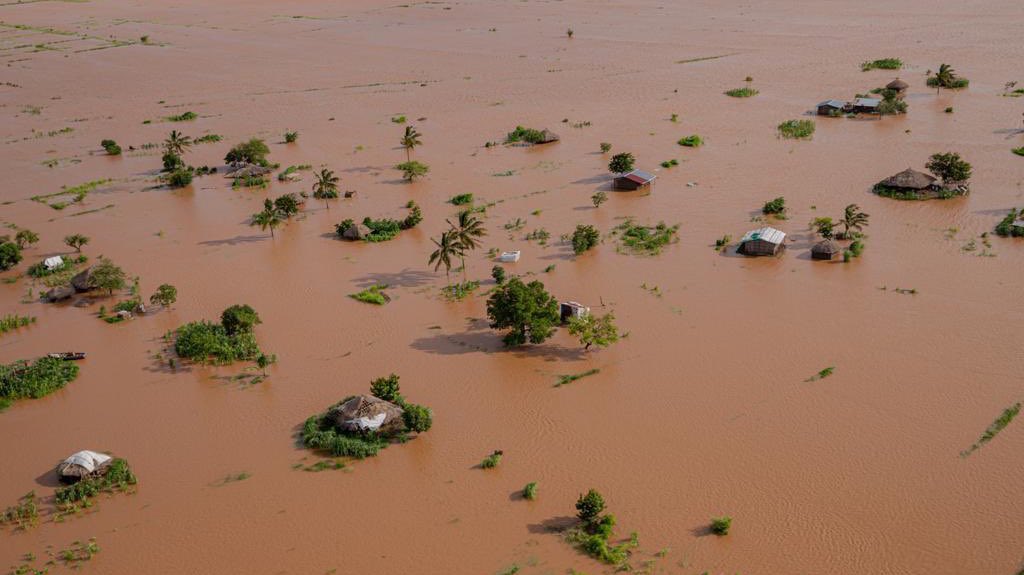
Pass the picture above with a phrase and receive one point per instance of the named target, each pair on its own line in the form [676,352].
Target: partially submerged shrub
[605,147]
[521,134]
[774,207]
[492,460]
[291,137]
[253,151]
[530,491]
[584,238]
[373,294]
[796,129]
[111,147]
[462,199]
[599,198]
[388,389]
[412,170]
[498,273]
[693,141]
[949,167]
[10,255]
[621,163]
[417,418]
[24,514]
[228,341]
[745,92]
[183,117]
[179,178]
[1005,227]
[720,525]
[882,64]
[24,380]
[645,240]
[117,477]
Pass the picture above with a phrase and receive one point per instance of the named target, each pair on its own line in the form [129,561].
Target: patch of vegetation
[412,170]
[621,163]
[11,322]
[461,290]
[521,134]
[461,199]
[374,294]
[796,129]
[998,425]
[111,147]
[253,151]
[183,117]
[584,238]
[593,330]
[599,198]
[207,139]
[118,478]
[24,380]
[492,460]
[72,195]
[398,119]
[745,92]
[954,84]
[540,235]
[10,255]
[774,207]
[567,379]
[230,340]
[821,374]
[722,242]
[645,240]
[286,175]
[24,514]
[528,311]
[1005,227]
[291,137]
[594,532]
[693,141]
[720,525]
[605,147]
[530,491]
[882,64]
[670,163]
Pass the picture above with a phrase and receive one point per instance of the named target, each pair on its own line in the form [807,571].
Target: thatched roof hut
[547,136]
[81,465]
[825,250]
[898,85]
[367,413]
[356,232]
[909,179]
[247,171]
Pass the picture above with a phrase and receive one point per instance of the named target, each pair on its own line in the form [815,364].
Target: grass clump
[645,240]
[745,92]
[530,491]
[720,525]
[183,117]
[24,380]
[882,64]
[11,322]
[821,374]
[796,129]
[1005,228]
[492,460]
[461,199]
[23,514]
[117,478]
[693,141]
[374,294]
[567,379]
[462,290]
[521,134]
[1019,151]
[72,195]
[998,425]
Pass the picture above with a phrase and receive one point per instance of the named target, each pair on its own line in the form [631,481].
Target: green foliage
[882,64]
[381,230]
[605,147]
[287,204]
[720,525]
[498,273]
[165,295]
[291,137]
[796,129]
[10,255]
[530,491]
[893,106]
[950,167]
[412,170]
[491,461]
[527,310]
[208,342]
[521,134]
[183,117]
[461,199]
[592,330]
[1005,228]
[722,242]
[111,147]
[179,178]
[693,141]
[388,389]
[285,176]
[621,163]
[106,275]
[670,163]
[821,374]
[567,379]
[589,506]
[25,238]
[774,207]
[398,119]
[319,433]
[239,319]
[417,417]
[24,380]
[24,514]
[249,181]
[414,218]
[584,238]
[955,83]
[599,198]
[857,248]
[645,240]
[208,139]
[118,477]
[459,291]
[745,92]
[998,425]
[373,294]
[253,151]
[72,195]
[172,162]
[824,227]
[11,322]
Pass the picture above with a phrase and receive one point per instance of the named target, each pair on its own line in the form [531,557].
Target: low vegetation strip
[24,380]
[998,425]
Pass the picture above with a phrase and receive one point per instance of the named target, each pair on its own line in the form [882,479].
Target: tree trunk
[408,154]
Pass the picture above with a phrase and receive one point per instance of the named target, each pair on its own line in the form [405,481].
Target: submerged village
[480,280]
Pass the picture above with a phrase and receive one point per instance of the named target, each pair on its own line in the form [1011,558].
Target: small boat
[67,355]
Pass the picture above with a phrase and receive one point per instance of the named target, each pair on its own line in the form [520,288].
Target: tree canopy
[527,310]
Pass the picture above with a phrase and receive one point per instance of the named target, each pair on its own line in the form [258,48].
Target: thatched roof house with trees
[634,180]
[898,86]
[367,413]
[909,184]
[764,241]
[825,250]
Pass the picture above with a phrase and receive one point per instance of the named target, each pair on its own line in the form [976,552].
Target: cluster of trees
[595,531]
[10,250]
[853,221]
[230,340]
[463,235]
[276,212]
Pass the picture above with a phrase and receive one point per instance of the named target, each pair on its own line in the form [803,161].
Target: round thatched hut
[897,85]
[367,413]
[825,250]
[547,136]
[81,465]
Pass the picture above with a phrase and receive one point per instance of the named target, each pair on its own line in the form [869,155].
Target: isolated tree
[263,361]
[164,296]
[498,273]
[252,152]
[409,141]
[592,330]
[326,186]
[584,238]
[853,219]
[589,507]
[621,163]
[447,248]
[949,167]
[412,170]
[468,230]
[107,276]
[25,238]
[76,241]
[417,417]
[945,77]
[270,218]
[177,143]
[599,198]
[388,389]
[287,204]
[527,310]
[239,318]
[824,227]
[10,255]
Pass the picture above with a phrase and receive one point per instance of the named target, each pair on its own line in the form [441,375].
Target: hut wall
[625,184]
[760,248]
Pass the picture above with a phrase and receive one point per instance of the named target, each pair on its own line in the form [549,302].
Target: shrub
[605,147]
[412,170]
[599,198]
[165,295]
[1005,228]
[239,318]
[521,134]
[10,255]
[388,389]
[857,248]
[530,491]
[589,507]
[461,199]
[373,294]
[204,341]
[498,273]
[318,432]
[742,92]
[693,141]
[172,162]
[491,461]
[179,178]
[11,322]
[646,240]
[414,218]
[23,515]
[25,238]
[118,477]
[796,129]
[23,380]
[892,107]
[111,147]
[417,418]
[954,83]
[621,163]
[287,204]
[253,152]
[882,64]
[291,137]
[584,238]
[183,117]
[720,525]
[381,230]
[722,242]
[774,207]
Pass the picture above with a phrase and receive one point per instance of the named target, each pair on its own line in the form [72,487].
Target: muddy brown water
[703,410]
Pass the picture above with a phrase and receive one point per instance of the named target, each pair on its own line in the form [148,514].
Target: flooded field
[708,407]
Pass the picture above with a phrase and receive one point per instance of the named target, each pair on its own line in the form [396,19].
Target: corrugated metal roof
[1018,224]
[867,102]
[770,235]
[640,177]
[833,103]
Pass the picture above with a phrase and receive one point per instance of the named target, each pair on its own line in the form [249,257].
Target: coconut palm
[853,219]
[270,217]
[944,77]
[326,186]
[410,140]
[467,231]
[447,247]
[177,143]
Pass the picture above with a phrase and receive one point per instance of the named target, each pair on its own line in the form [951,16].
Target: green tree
[177,143]
[945,77]
[239,318]
[599,198]
[584,238]
[164,296]
[76,241]
[498,273]
[589,507]
[326,187]
[527,310]
[105,275]
[468,229]
[824,227]
[10,255]
[25,238]
[853,219]
[252,152]
[270,218]
[263,361]
[591,330]
[949,167]
[447,247]
[417,418]
[388,389]
[621,163]
[172,162]
[412,170]
[409,141]
[287,204]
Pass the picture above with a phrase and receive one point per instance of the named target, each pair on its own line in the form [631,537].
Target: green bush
[1005,228]
[253,152]
[621,163]
[291,137]
[646,240]
[382,230]
[491,461]
[239,318]
[24,380]
[417,418]
[498,273]
[287,204]
[118,477]
[412,170]
[388,389]
[882,64]
[204,341]
[584,238]
[796,129]
[183,117]
[179,178]
[774,207]
[955,83]
[1019,151]
[414,218]
[11,322]
[605,147]
[319,433]
[720,525]
[742,92]
[521,134]
[528,311]
[373,294]
[857,248]
[530,491]
[111,147]
[172,162]
[693,141]
[461,199]
[589,507]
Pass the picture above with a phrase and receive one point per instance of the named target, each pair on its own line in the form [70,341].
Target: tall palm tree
[270,217]
[410,140]
[467,231]
[326,186]
[853,219]
[447,247]
[177,143]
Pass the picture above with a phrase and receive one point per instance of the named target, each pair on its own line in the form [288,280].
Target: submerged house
[831,108]
[571,309]
[53,263]
[634,180]
[865,105]
[81,465]
[898,86]
[509,257]
[909,181]
[764,241]
[825,250]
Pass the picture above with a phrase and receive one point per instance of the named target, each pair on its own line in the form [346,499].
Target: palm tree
[326,186]
[944,77]
[853,219]
[410,140]
[270,217]
[467,232]
[177,143]
[447,247]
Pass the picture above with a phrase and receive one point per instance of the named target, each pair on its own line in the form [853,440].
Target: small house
[81,465]
[831,108]
[898,86]
[909,180]
[634,180]
[824,250]
[572,309]
[762,242]
[866,105]
[509,257]
[53,263]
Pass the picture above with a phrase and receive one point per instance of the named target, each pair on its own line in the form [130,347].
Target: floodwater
[703,410]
